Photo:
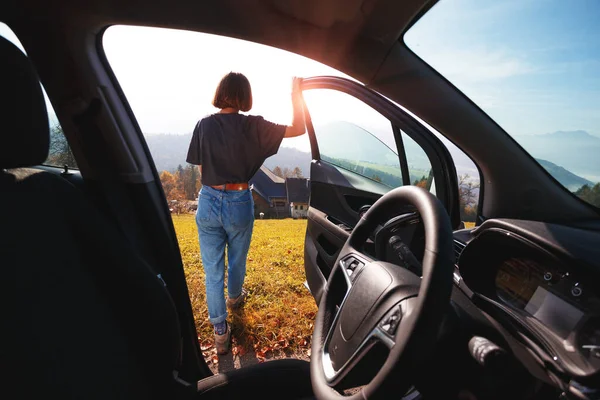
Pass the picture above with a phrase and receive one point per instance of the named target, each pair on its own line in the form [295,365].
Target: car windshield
[534,67]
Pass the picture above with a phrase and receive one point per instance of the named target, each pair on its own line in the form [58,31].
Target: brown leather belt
[231,186]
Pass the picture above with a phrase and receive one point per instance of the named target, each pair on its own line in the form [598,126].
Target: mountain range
[572,157]
[576,151]
[566,178]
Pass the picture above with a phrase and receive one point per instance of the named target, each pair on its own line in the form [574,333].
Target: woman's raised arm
[297,128]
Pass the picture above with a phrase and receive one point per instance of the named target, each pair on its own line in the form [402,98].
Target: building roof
[298,190]
[267,184]
[271,175]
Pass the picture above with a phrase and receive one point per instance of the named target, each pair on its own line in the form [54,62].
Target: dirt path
[231,361]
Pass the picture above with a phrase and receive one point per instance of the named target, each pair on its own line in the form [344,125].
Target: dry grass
[278,316]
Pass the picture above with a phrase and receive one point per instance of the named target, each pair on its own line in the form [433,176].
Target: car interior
[412,304]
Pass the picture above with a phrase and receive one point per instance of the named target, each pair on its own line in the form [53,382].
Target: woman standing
[229,148]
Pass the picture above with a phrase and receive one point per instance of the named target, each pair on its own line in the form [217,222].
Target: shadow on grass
[229,362]
[238,356]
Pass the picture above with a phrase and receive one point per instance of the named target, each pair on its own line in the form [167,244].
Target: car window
[419,166]
[362,153]
[353,136]
[533,67]
[467,173]
[60,153]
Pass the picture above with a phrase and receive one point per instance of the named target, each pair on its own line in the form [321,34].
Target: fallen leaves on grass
[205,345]
[279,312]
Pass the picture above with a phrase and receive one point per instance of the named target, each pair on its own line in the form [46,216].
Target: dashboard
[535,286]
[540,284]
[552,295]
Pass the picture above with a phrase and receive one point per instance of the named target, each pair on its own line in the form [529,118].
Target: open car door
[362,147]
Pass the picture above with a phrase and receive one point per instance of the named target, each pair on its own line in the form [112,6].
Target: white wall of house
[299,210]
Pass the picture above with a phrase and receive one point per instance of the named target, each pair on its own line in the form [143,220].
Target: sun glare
[169,76]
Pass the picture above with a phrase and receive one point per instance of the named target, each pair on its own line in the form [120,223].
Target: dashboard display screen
[558,315]
[540,289]
[517,279]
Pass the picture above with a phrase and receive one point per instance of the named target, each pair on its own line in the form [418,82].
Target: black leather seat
[82,316]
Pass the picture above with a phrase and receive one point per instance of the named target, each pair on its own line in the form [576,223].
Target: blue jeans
[224,218]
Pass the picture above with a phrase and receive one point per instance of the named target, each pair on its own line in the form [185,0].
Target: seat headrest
[24,130]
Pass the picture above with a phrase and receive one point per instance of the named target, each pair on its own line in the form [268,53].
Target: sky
[532,65]
[170,76]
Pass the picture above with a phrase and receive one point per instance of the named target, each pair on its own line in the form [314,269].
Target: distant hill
[168,150]
[576,151]
[566,178]
[289,157]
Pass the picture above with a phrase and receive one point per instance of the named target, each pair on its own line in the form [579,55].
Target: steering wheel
[373,311]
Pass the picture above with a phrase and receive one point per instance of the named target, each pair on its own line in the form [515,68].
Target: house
[276,197]
[298,193]
[269,193]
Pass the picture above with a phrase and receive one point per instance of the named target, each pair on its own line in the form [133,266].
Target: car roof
[353,36]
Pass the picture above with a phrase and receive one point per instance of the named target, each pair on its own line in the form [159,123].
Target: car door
[362,146]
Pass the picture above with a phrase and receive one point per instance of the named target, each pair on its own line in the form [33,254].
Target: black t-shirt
[232,147]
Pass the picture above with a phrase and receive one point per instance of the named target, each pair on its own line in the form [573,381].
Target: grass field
[278,316]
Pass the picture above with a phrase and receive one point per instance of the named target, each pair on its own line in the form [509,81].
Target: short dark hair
[233,91]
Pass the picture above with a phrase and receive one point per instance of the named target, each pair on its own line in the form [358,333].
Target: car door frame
[439,156]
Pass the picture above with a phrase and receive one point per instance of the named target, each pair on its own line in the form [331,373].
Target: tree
[422,183]
[174,195]
[590,194]
[288,173]
[198,181]
[180,178]
[168,182]
[191,182]
[180,170]
[468,193]
[60,153]
[171,185]
[277,171]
